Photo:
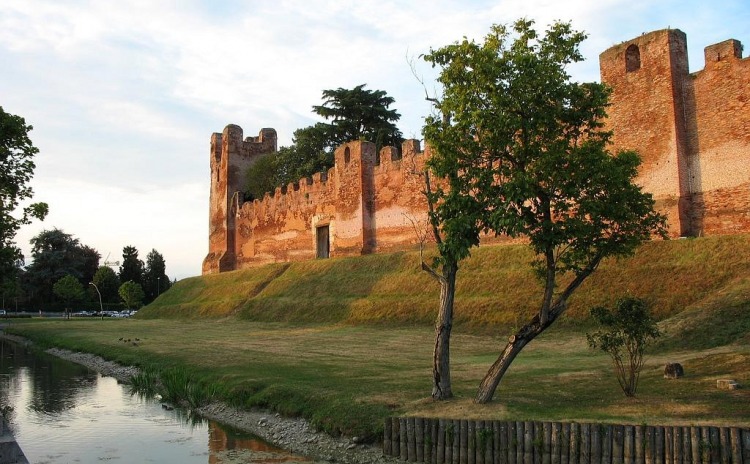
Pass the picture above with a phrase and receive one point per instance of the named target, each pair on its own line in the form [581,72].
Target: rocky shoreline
[293,434]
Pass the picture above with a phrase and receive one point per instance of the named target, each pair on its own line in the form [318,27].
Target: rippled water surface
[65,413]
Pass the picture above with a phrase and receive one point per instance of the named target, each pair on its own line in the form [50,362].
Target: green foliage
[108,283]
[532,151]
[628,329]
[146,383]
[57,254]
[178,386]
[132,294]
[132,268]
[261,177]
[16,170]
[359,114]
[525,150]
[155,280]
[354,114]
[69,289]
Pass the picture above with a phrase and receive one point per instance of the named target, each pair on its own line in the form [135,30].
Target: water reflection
[63,412]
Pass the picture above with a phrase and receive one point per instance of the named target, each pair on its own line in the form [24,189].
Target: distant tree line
[64,274]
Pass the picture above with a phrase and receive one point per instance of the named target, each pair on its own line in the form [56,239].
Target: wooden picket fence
[451,441]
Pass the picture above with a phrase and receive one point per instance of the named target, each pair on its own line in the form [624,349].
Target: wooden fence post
[668,445]
[473,445]
[418,439]
[489,452]
[658,445]
[618,444]
[456,450]
[640,444]
[584,453]
[463,449]
[607,436]
[395,438]
[402,439]
[471,448]
[519,442]
[500,439]
[734,435]
[746,446]
[575,439]
[595,443]
[695,445]
[678,451]
[481,442]
[546,443]
[705,444]
[628,451]
[538,442]
[528,442]
[512,443]
[648,453]
[411,454]
[387,432]
[441,442]
[554,439]
[726,445]
[713,434]
[433,441]
[565,444]
[450,435]
[687,446]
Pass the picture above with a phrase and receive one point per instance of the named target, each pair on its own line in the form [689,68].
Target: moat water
[66,413]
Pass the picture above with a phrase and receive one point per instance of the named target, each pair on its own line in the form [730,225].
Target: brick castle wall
[691,130]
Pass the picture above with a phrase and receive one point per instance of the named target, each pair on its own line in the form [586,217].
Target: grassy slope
[495,286]
[346,342]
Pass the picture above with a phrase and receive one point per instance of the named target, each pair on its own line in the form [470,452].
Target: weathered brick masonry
[692,131]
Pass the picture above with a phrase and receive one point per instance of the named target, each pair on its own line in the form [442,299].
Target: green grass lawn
[346,342]
[347,378]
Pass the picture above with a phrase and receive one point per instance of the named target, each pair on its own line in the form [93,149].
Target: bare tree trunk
[492,379]
[538,324]
[441,374]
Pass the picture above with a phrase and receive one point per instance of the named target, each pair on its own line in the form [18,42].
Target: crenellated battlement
[691,129]
[364,203]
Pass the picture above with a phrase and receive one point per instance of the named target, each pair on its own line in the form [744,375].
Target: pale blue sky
[124,95]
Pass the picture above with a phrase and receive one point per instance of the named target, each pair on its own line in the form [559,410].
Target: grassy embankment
[346,342]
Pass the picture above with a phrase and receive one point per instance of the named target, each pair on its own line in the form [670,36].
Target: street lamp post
[101,308]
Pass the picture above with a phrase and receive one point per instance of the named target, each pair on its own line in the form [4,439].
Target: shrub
[624,335]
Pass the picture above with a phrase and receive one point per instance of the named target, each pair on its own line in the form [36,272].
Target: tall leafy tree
[155,280]
[108,283]
[132,294]
[57,254]
[131,268]
[532,151]
[359,113]
[16,170]
[351,114]
[69,290]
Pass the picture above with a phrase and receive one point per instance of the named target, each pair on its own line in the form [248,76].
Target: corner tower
[647,114]
[230,157]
